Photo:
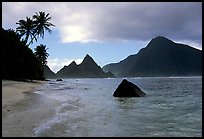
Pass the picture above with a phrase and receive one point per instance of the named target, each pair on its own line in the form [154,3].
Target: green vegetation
[41,54]
[19,62]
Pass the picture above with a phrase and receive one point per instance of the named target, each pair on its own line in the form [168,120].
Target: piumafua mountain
[161,57]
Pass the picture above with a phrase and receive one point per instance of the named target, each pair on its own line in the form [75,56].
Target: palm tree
[34,28]
[42,23]
[26,27]
[41,54]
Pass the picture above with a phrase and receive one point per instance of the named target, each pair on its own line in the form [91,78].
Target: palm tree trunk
[32,39]
[26,39]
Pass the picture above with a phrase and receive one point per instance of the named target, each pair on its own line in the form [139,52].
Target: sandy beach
[23,109]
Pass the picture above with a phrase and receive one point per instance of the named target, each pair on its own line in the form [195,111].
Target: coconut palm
[42,23]
[27,28]
[41,54]
[36,27]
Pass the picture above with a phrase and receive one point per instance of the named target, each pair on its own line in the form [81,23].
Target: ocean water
[171,108]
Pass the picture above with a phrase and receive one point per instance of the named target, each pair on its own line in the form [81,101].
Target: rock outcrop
[59,80]
[128,89]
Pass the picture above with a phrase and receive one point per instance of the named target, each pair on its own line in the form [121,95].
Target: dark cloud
[142,22]
[109,21]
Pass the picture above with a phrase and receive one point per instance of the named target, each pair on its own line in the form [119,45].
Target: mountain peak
[161,39]
[161,57]
[73,63]
[160,42]
[87,69]
[87,58]
[48,73]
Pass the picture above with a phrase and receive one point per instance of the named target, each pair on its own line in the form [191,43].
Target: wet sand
[23,109]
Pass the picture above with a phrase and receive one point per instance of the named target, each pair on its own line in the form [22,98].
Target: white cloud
[56,64]
[74,33]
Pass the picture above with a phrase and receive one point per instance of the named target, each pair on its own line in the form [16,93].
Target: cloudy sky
[107,31]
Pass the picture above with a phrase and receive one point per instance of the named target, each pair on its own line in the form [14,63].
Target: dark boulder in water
[59,80]
[128,89]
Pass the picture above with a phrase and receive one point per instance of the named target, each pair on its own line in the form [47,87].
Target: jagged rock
[59,80]
[128,89]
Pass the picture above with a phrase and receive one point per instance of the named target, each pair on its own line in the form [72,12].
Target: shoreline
[22,109]
[12,91]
